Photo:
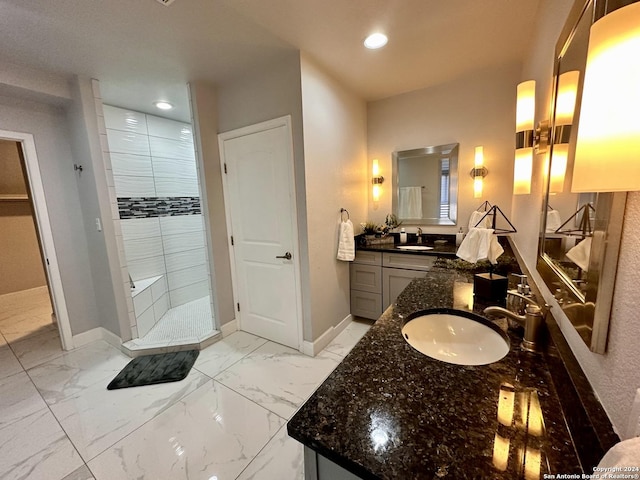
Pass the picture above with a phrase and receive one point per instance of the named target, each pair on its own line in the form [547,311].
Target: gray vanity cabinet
[377,278]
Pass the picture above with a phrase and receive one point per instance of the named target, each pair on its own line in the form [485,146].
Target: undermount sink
[455,336]
[414,247]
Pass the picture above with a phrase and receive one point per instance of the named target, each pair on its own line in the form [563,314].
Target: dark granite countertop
[388,411]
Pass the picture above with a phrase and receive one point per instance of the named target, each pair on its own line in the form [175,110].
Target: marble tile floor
[226,420]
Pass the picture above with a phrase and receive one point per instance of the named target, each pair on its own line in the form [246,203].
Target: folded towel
[623,454]
[580,254]
[475,218]
[410,202]
[346,242]
[553,220]
[480,243]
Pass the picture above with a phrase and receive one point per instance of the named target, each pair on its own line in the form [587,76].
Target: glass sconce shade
[525,114]
[558,167]
[564,112]
[522,170]
[608,146]
[566,98]
[526,106]
[376,180]
[478,163]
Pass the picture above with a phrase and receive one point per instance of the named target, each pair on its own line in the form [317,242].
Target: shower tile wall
[156,182]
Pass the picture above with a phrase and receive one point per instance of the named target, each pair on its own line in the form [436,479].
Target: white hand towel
[580,254]
[410,202]
[495,250]
[623,454]
[346,242]
[475,218]
[480,244]
[553,220]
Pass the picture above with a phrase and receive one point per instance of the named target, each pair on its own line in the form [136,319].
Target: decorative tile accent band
[147,207]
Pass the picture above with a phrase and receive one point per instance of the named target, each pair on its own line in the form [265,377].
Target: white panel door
[260,191]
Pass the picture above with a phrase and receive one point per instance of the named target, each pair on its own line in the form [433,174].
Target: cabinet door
[366,278]
[394,281]
[366,305]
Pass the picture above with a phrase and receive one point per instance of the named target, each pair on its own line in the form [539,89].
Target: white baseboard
[229,327]
[95,334]
[313,348]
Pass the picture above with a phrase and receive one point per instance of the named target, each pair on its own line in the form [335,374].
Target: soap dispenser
[403,236]
[518,304]
[459,237]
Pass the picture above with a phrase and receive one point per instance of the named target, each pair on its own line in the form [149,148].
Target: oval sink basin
[414,247]
[454,336]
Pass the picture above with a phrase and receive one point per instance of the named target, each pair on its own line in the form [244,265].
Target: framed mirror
[425,185]
[580,233]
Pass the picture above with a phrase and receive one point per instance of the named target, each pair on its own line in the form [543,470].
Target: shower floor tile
[186,324]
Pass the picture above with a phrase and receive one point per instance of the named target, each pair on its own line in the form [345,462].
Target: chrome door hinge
[225,168]
[238,307]
[232,244]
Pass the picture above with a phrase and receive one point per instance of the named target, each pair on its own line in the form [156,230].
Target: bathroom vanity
[380,273]
[388,411]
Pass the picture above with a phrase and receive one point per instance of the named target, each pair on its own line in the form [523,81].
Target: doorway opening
[28,323]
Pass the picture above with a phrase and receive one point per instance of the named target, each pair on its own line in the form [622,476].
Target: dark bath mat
[152,369]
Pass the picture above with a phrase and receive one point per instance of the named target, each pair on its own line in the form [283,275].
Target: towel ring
[343,211]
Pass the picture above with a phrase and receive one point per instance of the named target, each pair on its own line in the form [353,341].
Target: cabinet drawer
[366,278]
[406,261]
[366,304]
[368,258]
[395,281]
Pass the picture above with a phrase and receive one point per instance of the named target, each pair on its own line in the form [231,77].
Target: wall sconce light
[377,180]
[478,172]
[528,139]
[607,152]
[565,107]
[525,113]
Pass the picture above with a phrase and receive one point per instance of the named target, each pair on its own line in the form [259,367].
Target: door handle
[286,255]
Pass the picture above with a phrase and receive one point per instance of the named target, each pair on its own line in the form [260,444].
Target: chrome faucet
[532,320]
[419,235]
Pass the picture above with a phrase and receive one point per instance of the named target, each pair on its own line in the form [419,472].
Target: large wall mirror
[580,233]
[425,185]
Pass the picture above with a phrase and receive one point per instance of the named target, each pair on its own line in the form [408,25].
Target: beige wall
[263,95]
[205,121]
[614,376]
[477,109]
[335,129]
[20,259]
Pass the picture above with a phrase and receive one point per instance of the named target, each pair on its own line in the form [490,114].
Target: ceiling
[142,51]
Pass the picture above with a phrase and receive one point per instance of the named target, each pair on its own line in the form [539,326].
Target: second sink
[414,247]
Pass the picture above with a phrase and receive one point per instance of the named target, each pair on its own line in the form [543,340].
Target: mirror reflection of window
[444,188]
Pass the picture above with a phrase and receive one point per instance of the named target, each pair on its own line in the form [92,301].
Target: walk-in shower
[156,182]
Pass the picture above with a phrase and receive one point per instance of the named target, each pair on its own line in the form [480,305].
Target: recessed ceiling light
[375,40]
[163,105]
